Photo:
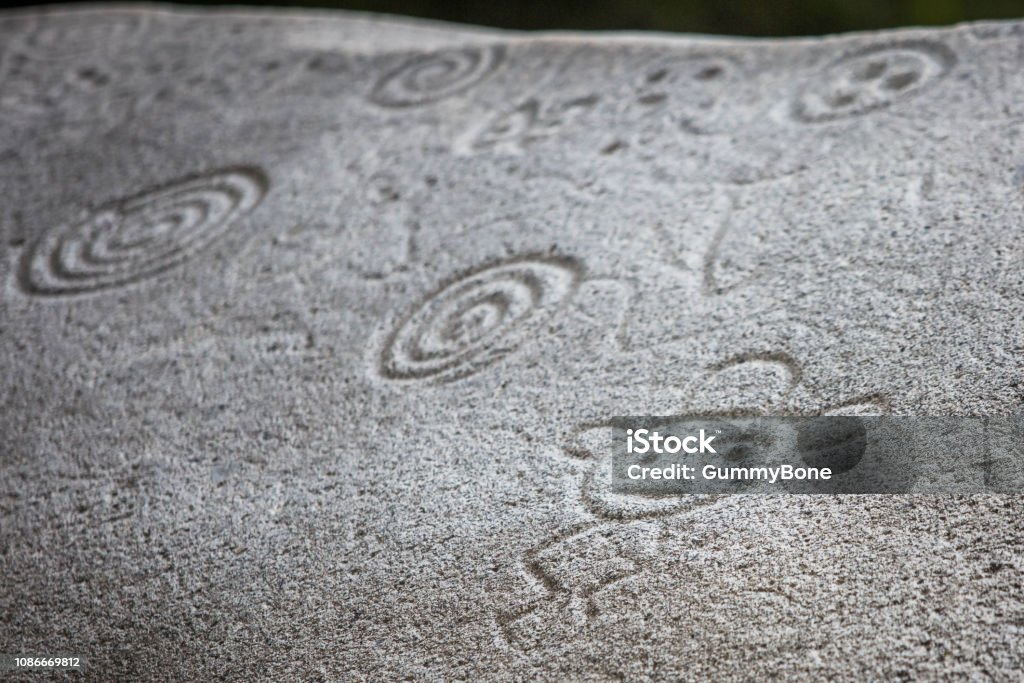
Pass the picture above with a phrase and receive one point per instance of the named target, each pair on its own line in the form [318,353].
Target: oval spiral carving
[429,78]
[141,236]
[477,319]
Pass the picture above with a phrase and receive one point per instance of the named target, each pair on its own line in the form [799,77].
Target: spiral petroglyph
[429,78]
[141,236]
[478,319]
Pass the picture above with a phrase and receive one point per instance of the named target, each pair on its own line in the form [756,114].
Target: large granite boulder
[309,323]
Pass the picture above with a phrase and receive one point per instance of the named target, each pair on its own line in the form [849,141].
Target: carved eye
[657,76]
[843,100]
[709,73]
[871,71]
[902,81]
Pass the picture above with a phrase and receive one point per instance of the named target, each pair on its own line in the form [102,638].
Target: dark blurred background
[741,17]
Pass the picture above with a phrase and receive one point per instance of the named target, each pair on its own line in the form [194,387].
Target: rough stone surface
[306,322]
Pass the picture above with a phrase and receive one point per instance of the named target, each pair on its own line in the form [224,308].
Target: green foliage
[739,17]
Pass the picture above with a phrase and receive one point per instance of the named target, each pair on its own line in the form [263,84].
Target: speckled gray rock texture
[306,322]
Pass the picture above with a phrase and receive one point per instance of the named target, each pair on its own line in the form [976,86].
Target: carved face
[872,78]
